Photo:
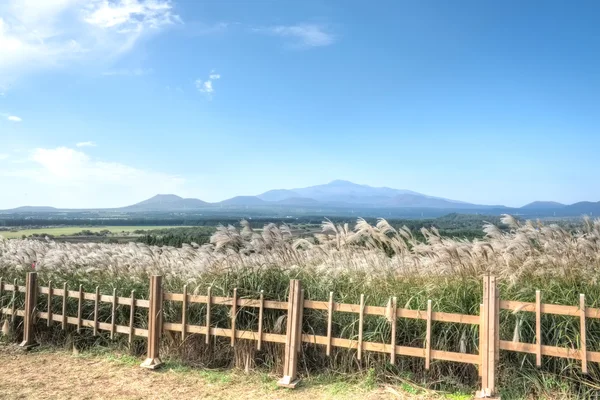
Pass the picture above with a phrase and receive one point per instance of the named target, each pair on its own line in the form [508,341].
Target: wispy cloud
[301,35]
[131,15]
[14,118]
[69,177]
[42,34]
[3,156]
[206,86]
[86,144]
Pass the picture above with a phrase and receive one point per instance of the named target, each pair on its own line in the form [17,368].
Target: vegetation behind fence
[261,321]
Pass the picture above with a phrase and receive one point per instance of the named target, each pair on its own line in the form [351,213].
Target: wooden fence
[487,321]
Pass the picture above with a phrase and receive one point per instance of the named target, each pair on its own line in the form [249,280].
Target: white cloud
[3,156]
[131,15]
[206,86]
[86,144]
[42,34]
[14,118]
[70,178]
[302,35]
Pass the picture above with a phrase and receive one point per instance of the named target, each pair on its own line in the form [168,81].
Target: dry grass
[43,375]
[528,249]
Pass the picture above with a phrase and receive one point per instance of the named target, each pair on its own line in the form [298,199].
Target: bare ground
[43,374]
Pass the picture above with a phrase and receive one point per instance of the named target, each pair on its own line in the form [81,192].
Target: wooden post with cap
[154,323]
[489,340]
[31,291]
[292,336]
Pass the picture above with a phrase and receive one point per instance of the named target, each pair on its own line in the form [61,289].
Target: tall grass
[377,260]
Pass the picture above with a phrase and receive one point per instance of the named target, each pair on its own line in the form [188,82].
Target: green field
[71,230]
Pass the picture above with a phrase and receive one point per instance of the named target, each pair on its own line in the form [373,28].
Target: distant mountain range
[351,194]
[339,195]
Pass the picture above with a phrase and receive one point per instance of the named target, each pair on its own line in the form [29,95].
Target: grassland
[375,259]
[72,230]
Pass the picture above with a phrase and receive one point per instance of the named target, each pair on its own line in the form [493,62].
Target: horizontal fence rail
[487,323]
[538,348]
[63,319]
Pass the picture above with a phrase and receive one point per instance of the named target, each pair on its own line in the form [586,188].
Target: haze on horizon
[105,104]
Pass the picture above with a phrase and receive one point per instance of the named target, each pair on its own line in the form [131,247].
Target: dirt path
[43,374]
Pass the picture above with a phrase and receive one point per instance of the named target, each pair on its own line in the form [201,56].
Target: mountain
[553,209]
[347,194]
[243,201]
[414,200]
[166,202]
[335,194]
[543,205]
[27,209]
[582,208]
[160,199]
[298,201]
[278,195]
[338,197]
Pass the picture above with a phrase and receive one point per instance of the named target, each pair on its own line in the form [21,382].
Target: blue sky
[105,103]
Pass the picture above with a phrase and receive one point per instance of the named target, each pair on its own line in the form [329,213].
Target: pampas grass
[378,260]
[527,249]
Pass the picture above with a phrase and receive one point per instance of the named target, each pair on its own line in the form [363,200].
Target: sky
[106,103]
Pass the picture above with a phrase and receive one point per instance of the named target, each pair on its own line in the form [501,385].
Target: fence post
[154,323]
[489,337]
[293,332]
[31,290]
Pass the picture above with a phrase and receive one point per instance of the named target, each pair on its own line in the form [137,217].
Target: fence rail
[487,322]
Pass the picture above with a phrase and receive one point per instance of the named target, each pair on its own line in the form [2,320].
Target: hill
[278,195]
[583,208]
[166,202]
[243,201]
[543,205]
[26,209]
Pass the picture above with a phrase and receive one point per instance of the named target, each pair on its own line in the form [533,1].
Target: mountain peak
[167,202]
[243,201]
[278,195]
[544,205]
[162,198]
[342,182]
[343,192]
